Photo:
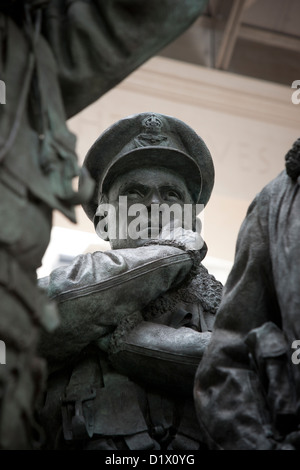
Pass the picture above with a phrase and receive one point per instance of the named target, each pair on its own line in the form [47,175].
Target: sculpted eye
[133,192]
[173,194]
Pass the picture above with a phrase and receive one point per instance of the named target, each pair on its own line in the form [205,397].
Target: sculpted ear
[101,227]
[101,219]
[105,221]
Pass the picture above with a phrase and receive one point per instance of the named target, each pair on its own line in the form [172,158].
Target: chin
[122,244]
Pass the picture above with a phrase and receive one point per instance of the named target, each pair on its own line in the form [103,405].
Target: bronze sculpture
[134,320]
[247,385]
[56,58]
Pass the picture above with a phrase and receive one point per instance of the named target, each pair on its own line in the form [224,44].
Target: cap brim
[164,157]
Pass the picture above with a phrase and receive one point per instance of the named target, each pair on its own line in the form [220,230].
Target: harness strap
[78,403]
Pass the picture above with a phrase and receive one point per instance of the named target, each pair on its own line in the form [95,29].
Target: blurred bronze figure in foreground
[56,57]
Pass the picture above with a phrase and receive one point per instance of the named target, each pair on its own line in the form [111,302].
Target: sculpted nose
[154,198]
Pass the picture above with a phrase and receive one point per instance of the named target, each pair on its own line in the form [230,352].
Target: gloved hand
[175,232]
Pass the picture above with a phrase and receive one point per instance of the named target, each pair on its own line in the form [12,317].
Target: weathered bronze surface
[134,320]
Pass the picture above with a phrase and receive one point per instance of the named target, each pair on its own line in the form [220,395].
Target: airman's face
[141,190]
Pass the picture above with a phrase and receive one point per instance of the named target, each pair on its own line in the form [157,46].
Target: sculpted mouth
[157,226]
[150,231]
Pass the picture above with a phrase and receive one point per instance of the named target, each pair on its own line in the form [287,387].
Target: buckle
[78,416]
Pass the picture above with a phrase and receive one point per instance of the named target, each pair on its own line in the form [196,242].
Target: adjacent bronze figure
[134,320]
[247,385]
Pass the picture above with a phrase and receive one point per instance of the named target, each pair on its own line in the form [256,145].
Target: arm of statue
[97,290]
[98,43]
[230,404]
[159,355]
